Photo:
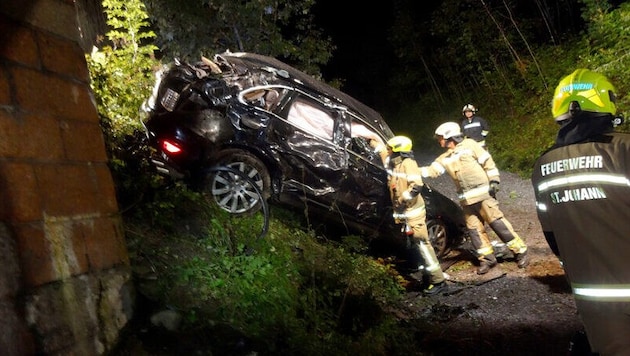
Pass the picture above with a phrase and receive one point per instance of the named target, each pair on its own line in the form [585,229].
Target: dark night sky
[363,54]
[364,57]
[360,31]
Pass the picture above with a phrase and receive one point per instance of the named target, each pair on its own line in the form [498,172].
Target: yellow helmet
[583,90]
[400,144]
[448,130]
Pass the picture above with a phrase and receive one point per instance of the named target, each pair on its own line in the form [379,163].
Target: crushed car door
[364,190]
[308,144]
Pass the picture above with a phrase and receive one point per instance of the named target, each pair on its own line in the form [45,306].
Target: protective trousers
[423,244]
[607,325]
[487,211]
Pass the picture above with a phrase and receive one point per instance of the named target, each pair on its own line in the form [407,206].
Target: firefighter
[476,179]
[405,183]
[474,126]
[582,190]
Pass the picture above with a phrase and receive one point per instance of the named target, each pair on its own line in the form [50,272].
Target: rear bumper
[166,166]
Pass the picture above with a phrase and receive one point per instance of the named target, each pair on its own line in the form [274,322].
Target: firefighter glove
[494,188]
[415,191]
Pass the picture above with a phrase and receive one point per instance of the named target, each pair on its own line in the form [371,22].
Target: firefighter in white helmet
[476,178]
[405,183]
[474,126]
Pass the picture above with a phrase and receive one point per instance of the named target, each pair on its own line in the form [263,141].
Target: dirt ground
[509,310]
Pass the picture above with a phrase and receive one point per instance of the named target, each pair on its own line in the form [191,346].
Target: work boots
[522,260]
[486,263]
[435,289]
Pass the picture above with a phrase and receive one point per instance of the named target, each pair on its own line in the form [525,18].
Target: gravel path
[509,310]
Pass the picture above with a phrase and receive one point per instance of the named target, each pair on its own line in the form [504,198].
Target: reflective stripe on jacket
[602,293]
[470,166]
[476,128]
[583,201]
[402,178]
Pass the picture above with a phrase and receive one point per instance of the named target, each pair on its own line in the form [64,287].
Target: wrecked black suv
[304,144]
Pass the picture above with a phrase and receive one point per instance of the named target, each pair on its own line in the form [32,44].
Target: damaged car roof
[245,61]
[302,142]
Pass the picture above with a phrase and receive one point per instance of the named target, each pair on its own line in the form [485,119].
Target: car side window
[365,142]
[264,98]
[307,116]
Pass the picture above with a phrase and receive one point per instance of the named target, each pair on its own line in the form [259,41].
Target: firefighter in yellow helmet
[405,183]
[476,179]
[582,189]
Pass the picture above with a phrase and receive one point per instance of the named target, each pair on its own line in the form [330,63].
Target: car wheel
[236,195]
[438,234]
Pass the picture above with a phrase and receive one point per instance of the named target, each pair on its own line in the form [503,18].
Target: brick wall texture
[65,283]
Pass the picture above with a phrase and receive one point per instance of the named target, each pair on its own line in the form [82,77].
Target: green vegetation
[122,70]
[283,28]
[295,291]
[290,292]
[487,58]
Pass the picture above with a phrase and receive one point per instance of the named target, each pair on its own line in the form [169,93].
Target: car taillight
[171,147]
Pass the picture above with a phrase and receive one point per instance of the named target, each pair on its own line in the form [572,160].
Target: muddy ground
[509,310]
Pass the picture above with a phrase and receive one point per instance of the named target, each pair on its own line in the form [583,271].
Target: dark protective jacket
[476,128]
[583,204]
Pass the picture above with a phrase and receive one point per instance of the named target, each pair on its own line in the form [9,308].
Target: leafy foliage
[280,28]
[295,291]
[506,65]
[291,291]
[606,45]
[121,71]
[122,78]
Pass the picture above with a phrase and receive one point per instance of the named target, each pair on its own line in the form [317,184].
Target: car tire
[439,237]
[235,195]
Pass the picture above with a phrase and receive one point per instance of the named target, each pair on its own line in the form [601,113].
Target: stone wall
[65,285]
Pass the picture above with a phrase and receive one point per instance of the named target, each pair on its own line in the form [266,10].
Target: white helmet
[469,107]
[448,130]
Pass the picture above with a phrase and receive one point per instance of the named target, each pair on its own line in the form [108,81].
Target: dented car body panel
[305,143]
